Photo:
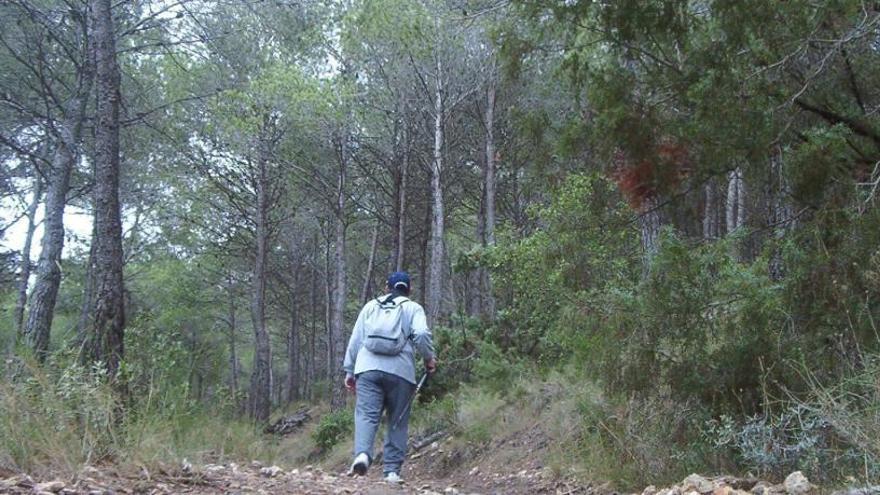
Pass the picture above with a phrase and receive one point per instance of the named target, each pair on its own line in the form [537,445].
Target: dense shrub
[332,428]
[705,326]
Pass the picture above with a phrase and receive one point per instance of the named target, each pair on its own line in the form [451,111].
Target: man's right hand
[431,365]
[350,383]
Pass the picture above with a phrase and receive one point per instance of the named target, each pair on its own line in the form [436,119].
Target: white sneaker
[393,477]
[360,464]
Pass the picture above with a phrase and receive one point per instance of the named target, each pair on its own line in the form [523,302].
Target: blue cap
[398,279]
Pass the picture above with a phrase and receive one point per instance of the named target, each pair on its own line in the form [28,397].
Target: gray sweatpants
[378,391]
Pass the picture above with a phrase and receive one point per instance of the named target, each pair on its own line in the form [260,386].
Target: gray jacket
[358,359]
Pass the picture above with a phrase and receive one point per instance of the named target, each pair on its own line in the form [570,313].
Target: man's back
[359,359]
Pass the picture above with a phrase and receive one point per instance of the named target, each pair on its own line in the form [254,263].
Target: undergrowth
[61,416]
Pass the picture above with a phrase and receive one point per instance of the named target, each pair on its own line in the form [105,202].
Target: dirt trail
[233,479]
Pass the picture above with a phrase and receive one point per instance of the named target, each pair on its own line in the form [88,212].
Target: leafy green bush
[332,428]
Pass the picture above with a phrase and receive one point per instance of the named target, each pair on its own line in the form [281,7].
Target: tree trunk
[25,265]
[487,299]
[337,323]
[649,226]
[435,281]
[41,309]
[490,165]
[425,242]
[233,355]
[261,380]
[85,311]
[710,210]
[292,385]
[108,317]
[735,211]
[313,296]
[780,213]
[368,279]
[328,309]
[400,245]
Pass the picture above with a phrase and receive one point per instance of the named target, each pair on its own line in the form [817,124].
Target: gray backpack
[385,331]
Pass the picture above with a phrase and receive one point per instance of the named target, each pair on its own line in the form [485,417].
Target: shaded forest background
[670,204]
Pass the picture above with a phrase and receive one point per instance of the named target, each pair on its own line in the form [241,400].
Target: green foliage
[332,428]
[583,245]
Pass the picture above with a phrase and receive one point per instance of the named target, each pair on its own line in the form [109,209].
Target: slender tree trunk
[338,330]
[294,377]
[735,211]
[435,281]
[368,279]
[400,245]
[41,309]
[85,312]
[233,355]
[25,265]
[649,226]
[328,309]
[261,379]
[780,212]
[488,300]
[313,296]
[108,316]
[710,210]
[490,164]
[425,244]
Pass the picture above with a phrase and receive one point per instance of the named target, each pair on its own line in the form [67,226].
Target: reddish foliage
[642,179]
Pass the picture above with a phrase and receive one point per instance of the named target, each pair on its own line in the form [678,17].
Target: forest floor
[523,454]
[233,479]
[257,479]
[506,466]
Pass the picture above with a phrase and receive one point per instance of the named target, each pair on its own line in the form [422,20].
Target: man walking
[380,368]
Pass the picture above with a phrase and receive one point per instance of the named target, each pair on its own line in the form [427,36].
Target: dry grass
[58,421]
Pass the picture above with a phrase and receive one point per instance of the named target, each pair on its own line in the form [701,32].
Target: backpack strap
[390,299]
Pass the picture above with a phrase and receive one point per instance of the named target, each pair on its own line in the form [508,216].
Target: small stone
[256,464]
[797,484]
[649,490]
[50,486]
[450,490]
[271,471]
[435,446]
[295,472]
[761,488]
[722,490]
[475,471]
[697,483]
[186,466]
